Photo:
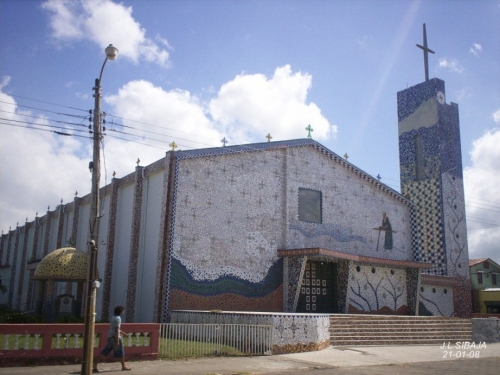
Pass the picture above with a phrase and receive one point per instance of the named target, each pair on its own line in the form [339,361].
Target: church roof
[63,264]
[258,147]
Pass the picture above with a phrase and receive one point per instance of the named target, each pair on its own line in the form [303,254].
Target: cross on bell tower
[426,54]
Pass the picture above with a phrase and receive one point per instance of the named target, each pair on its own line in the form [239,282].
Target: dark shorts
[118,350]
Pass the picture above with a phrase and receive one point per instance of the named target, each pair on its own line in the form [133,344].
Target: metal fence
[194,340]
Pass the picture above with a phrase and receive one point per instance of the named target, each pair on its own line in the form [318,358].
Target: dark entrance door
[318,289]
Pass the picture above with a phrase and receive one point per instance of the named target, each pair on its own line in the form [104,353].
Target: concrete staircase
[351,330]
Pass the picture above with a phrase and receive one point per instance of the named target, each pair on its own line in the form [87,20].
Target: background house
[484,274]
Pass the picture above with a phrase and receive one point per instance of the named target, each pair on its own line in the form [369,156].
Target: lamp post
[95,168]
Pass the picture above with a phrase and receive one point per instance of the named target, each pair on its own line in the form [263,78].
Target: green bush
[14,317]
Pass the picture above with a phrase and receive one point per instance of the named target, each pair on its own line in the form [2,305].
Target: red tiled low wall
[43,348]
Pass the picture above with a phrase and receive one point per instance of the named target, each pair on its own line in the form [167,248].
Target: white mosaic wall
[436,300]
[229,215]
[455,226]
[288,329]
[372,288]
[232,207]
[351,208]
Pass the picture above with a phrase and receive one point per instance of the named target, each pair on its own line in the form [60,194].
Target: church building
[287,226]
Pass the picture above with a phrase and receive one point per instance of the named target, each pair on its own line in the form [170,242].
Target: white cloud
[496,116]
[243,110]
[156,114]
[4,81]
[164,41]
[38,168]
[481,189]
[476,48]
[451,64]
[104,22]
[250,106]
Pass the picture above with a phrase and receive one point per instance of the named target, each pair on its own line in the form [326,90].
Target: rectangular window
[480,278]
[310,206]
[494,279]
[486,265]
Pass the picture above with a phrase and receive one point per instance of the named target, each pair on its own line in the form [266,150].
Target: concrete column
[24,257]
[13,267]
[134,245]
[160,313]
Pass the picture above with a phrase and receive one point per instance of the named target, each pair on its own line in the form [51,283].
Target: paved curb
[409,359]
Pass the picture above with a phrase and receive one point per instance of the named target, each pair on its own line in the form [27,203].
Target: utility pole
[95,168]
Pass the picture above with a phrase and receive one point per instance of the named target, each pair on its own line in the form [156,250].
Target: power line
[43,110]
[37,117]
[43,101]
[33,124]
[47,130]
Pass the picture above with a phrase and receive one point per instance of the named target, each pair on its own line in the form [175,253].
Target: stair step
[395,342]
[347,324]
[393,329]
[402,329]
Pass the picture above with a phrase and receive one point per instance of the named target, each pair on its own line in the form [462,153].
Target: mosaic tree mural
[377,290]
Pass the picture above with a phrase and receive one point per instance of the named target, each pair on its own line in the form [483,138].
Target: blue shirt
[115,323]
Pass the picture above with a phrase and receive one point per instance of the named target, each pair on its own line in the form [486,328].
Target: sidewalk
[415,359]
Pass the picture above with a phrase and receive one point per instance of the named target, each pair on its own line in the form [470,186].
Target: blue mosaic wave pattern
[182,280]
[336,231]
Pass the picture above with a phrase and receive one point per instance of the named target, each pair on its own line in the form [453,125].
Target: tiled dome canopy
[63,264]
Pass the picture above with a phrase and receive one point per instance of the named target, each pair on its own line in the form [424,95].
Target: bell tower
[431,176]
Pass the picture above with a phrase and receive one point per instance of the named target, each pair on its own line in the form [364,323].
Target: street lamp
[92,282]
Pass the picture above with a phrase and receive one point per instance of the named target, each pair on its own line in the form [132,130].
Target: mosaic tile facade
[412,285]
[342,285]
[235,206]
[135,233]
[162,285]
[24,256]
[295,267]
[431,177]
[225,213]
[436,300]
[47,232]
[292,333]
[60,226]
[376,290]
[13,268]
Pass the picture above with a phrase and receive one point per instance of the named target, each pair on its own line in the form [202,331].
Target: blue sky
[194,72]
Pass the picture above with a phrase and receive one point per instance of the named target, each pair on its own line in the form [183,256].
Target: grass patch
[172,349]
